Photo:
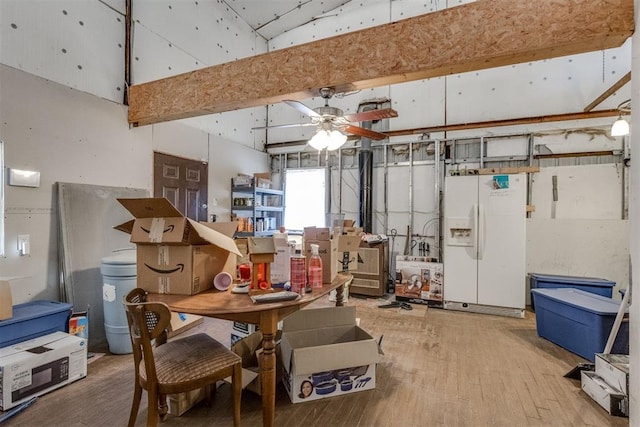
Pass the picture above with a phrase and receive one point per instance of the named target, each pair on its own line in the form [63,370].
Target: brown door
[183,182]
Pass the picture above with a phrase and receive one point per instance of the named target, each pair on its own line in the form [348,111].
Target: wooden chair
[169,367]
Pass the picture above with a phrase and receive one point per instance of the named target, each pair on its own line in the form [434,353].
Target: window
[304,198]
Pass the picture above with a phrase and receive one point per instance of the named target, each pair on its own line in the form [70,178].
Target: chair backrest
[148,323]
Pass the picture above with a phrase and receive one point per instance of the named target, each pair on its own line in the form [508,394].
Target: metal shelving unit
[259,210]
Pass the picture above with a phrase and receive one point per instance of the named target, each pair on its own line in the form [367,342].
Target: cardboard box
[182,322]
[333,252]
[242,181]
[175,254]
[614,369]
[6,302]
[325,354]
[182,402]
[249,349]
[344,253]
[419,281]
[79,326]
[35,367]
[316,234]
[612,400]
[281,265]
[262,180]
[183,270]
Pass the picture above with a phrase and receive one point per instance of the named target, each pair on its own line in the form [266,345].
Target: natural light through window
[304,198]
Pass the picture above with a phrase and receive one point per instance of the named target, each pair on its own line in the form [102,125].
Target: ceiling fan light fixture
[620,127]
[320,140]
[329,139]
[336,140]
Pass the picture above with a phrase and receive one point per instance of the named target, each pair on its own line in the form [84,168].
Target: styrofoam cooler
[118,278]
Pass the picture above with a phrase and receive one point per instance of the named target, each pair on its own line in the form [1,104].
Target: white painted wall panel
[181,140]
[419,103]
[76,43]
[576,140]
[580,247]
[350,193]
[68,136]
[347,18]
[228,159]
[584,192]
[234,125]
[208,31]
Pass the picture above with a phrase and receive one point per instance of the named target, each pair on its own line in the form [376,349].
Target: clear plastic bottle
[315,268]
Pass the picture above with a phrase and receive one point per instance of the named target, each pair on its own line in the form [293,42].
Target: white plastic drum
[118,278]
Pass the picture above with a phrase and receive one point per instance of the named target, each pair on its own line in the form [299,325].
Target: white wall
[71,136]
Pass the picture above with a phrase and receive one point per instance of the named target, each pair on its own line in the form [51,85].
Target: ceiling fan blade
[292,125]
[302,108]
[367,116]
[357,130]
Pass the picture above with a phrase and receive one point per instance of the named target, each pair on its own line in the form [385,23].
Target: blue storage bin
[34,319]
[594,285]
[579,321]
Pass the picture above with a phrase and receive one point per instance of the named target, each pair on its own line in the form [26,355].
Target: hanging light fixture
[328,138]
[621,127]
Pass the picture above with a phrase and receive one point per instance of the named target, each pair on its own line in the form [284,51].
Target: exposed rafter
[479,35]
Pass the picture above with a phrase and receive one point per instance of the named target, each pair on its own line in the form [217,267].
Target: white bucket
[118,279]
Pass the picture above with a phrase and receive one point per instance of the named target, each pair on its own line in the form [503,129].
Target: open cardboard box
[249,349]
[325,354]
[176,255]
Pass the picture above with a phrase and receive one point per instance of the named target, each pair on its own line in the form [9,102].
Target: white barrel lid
[121,264]
[127,256]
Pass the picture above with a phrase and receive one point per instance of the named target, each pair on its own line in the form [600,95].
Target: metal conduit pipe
[365,172]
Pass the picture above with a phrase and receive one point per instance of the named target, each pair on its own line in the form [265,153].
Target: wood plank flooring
[440,368]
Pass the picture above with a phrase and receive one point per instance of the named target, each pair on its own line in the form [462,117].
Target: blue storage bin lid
[576,280]
[35,309]
[580,299]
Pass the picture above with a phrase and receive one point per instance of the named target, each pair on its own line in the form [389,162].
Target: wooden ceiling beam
[474,36]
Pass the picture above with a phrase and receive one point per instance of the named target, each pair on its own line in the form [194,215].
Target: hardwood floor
[439,368]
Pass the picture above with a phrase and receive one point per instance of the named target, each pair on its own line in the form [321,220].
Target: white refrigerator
[484,243]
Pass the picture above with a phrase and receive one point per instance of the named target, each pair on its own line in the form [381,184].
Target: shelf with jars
[259,211]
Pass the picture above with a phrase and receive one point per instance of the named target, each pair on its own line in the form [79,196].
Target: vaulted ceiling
[450,41]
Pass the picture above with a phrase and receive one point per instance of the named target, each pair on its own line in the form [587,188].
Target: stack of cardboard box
[176,255]
[338,252]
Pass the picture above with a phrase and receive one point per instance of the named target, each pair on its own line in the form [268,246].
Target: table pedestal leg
[340,296]
[268,327]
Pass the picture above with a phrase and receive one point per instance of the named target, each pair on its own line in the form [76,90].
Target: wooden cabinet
[372,275]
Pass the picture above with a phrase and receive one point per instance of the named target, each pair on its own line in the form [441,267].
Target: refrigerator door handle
[474,229]
[481,231]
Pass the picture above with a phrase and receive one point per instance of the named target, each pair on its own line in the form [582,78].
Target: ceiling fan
[332,124]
